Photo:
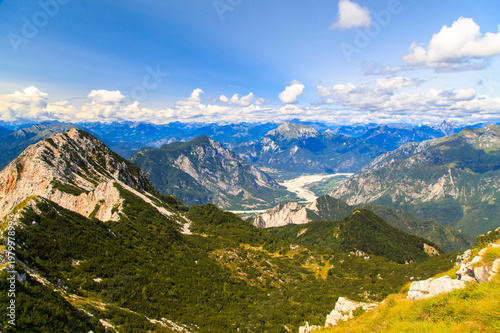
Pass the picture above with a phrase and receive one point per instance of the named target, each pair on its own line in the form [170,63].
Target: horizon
[334,62]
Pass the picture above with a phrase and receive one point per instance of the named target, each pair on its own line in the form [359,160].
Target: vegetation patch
[67,188]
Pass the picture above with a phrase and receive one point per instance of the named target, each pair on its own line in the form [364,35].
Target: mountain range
[453,179]
[100,249]
[203,170]
[301,148]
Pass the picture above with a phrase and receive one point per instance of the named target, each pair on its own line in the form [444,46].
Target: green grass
[475,308]
[325,186]
[445,313]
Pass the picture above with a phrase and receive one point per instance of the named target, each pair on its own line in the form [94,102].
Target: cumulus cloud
[106,96]
[30,103]
[386,100]
[396,83]
[290,94]
[243,101]
[388,97]
[194,99]
[459,47]
[351,15]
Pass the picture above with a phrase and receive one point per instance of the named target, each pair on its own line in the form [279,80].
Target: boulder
[432,287]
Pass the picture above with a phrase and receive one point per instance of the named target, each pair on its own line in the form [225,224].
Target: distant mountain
[453,179]
[447,128]
[362,232]
[392,138]
[301,148]
[155,136]
[203,170]
[355,130]
[327,208]
[13,144]
[4,132]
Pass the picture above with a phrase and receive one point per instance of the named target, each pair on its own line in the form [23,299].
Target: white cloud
[290,94]
[396,83]
[243,101]
[372,68]
[459,47]
[106,96]
[384,101]
[194,99]
[387,99]
[351,15]
[30,103]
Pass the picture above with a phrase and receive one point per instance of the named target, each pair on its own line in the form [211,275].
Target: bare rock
[308,329]
[344,309]
[432,287]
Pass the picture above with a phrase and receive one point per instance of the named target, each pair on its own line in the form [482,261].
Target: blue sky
[334,61]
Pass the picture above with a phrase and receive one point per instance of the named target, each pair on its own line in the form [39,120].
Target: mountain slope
[327,208]
[5,132]
[362,232]
[453,179]
[203,170]
[301,148]
[75,170]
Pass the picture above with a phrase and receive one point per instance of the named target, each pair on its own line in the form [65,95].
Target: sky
[230,61]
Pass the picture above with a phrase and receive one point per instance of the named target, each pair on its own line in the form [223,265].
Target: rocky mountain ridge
[138,270]
[75,170]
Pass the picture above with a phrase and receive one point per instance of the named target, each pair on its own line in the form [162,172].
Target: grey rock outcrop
[475,271]
[433,287]
[344,310]
[471,270]
[308,329]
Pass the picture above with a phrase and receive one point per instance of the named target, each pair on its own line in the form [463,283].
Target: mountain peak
[74,170]
[293,131]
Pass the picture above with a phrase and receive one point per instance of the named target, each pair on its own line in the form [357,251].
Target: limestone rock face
[288,213]
[76,171]
[432,287]
[324,208]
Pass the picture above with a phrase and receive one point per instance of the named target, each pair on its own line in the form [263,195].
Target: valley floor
[299,185]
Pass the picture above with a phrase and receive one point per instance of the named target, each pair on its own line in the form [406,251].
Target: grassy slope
[473,309]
